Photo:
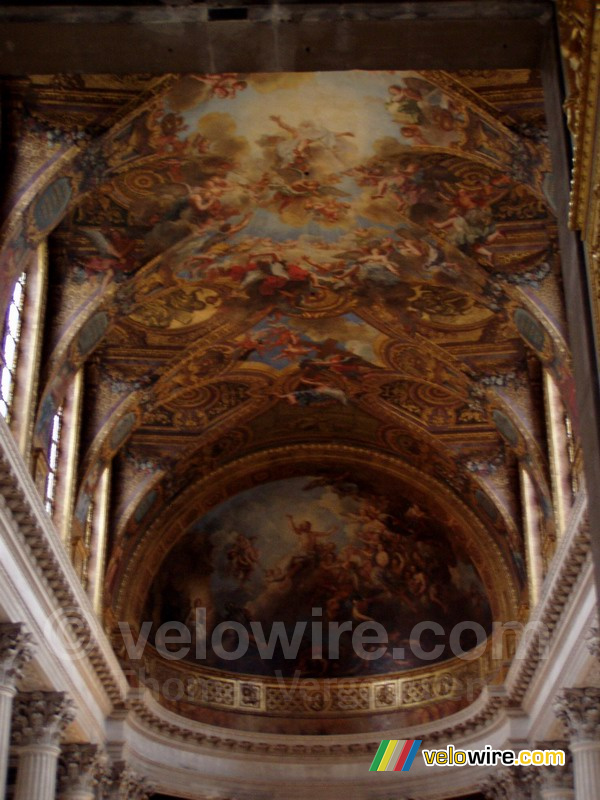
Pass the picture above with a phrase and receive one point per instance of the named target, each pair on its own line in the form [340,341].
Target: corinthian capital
[593,642]
[40,717]
[579,709]
[511,782]
[557,777]
[125,784]
[80,767]
[15,652]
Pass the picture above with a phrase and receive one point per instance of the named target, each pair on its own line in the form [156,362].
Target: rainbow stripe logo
[395,755]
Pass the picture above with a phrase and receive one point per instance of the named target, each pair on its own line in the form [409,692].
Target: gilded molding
[579,26]
[451,680]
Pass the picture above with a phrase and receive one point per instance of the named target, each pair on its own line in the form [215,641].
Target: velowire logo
[395,755]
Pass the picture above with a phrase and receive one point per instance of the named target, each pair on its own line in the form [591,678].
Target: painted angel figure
[294,149]
[243,556]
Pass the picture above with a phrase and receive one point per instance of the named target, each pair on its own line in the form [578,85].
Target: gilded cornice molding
[579,26]
[151,716]
[451,680]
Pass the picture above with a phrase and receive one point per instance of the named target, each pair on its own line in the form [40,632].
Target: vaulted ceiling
[311,286]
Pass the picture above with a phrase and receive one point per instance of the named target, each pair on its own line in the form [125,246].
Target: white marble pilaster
[580,711]
[39,719]
[15,652]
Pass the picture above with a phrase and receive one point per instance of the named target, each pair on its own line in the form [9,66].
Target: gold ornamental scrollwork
[579,28]
[458,681]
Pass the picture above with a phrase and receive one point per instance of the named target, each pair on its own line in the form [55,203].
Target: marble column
[80,771]
[39,719]
[580,711]
[556,783]
[125,784]
[15,652]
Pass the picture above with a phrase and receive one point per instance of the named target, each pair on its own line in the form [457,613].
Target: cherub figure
[243,556]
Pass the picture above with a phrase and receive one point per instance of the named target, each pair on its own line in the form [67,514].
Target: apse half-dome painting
[279,290]
[277,558]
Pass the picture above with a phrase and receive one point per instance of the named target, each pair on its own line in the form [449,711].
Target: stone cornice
[44,549]
[15,652]
[571,555]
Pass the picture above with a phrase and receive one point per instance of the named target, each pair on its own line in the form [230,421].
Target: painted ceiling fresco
[261,263]
[309,548]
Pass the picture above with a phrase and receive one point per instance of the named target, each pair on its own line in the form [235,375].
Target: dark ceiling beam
[464,34]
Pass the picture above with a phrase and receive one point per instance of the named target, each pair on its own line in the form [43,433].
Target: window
[10,346]
[50,493]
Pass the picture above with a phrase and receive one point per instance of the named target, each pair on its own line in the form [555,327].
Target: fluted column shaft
[7,694]
[36,776]
[15,652]
[586,765]
[39,721]
[580,711]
